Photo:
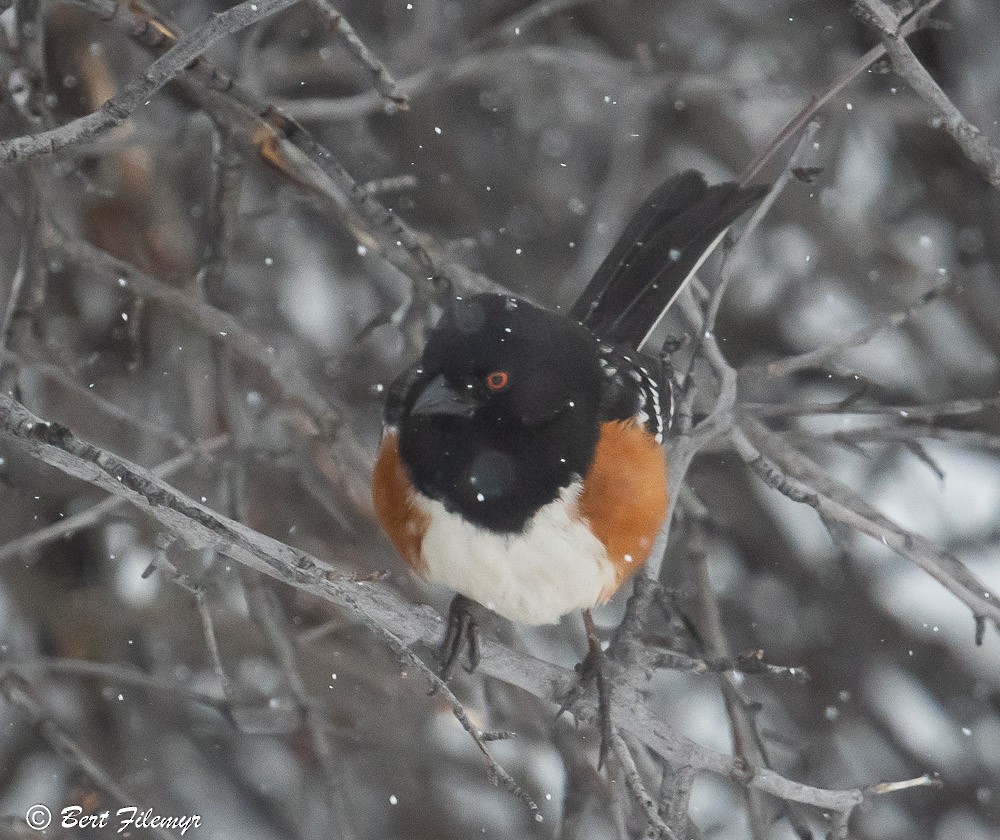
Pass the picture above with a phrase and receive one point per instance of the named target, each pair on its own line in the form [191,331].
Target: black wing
[662,246]
[629,392]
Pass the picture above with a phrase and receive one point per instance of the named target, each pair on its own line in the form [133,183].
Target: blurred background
[175,296]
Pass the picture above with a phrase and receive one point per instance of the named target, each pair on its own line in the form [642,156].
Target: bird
[521,463]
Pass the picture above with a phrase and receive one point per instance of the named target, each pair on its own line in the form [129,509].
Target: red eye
[497,380]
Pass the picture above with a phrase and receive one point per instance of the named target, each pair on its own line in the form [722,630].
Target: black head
[503,411]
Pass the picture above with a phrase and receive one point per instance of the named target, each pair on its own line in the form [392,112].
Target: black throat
[498,474]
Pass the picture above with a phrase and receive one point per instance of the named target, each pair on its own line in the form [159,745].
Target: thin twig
[384,82]
[390,185]
[269,615]
[879,325]
[900,434]
[285,378]
[294,152]
[19,692]
[743,663]
[927,780]
[810,109]
[30,216]
[472,68]
[633,781]
[713,637]
[733,258]
[94,402]
[161,563]
[227,182]
[124,675]
[927,412]
[840,823]
[498,775]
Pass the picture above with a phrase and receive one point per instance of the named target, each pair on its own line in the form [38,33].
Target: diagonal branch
[809,110]
[975,145]
[384,82]
[796,476]
[166,68]
[658,829]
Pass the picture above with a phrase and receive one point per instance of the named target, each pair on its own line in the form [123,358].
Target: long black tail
[661,248]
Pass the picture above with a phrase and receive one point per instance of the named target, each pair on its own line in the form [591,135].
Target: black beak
[440,399]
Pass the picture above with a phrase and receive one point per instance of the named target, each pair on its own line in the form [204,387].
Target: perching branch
[398,624]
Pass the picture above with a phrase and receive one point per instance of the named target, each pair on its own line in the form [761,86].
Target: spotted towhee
[521,463]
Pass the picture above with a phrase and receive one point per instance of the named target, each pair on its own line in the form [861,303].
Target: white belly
[555,566]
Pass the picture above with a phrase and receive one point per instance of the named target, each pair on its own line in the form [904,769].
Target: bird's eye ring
[497,380]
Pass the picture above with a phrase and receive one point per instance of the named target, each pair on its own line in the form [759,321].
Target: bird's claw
[593,669]
[461,634]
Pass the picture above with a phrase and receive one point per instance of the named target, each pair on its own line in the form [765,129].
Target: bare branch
[901,434]
[390,185]
[124,675]
[709,623]
[269,615]
[743,663]
[633,781]
[19,282]
[286,378]
[162,564]
[120,107]
[227,174]
[732,260]
[927,412]
[810,109]
[975,145]
[674,797]
[93,401]
[294,152]
[927,780]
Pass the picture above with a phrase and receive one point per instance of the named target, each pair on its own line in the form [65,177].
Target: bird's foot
[462,634]
[593,669]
